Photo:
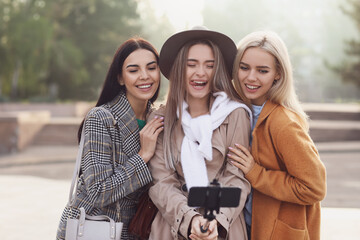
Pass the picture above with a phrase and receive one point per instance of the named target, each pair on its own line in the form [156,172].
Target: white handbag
[88,227]
[92,228]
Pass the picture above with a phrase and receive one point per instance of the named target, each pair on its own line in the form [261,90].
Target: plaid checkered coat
[101,185]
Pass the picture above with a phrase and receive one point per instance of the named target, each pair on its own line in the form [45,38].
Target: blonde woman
[203,117]
[284,167]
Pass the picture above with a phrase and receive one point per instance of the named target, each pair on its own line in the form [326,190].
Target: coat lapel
[265,112]
[267,109]
[128,126]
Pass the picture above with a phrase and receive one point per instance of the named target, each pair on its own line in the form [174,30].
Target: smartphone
[213,197]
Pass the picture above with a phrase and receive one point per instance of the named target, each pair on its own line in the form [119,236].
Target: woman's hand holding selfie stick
[211,198]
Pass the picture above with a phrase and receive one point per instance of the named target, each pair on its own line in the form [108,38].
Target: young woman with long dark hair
[130,88]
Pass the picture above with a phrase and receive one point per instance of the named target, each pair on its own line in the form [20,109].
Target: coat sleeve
[303,179]
[238,131]
[166,191]
[167,196]
[104,183]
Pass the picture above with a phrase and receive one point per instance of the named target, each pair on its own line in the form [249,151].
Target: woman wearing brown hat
[203,117]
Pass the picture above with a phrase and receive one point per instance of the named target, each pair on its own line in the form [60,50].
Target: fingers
[210,234]
[239,162]
[238,165]
[238,158]
[152,126]
[241,158]
[213,225]
[194,237]
[195,224]
[148,137]
[158,131]
[236,154]
[212,230]
[243,149]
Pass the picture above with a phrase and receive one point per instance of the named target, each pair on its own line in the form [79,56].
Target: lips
[252,87]
[198,83]
[144,86]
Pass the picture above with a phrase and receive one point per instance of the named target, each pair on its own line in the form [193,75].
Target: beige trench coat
[174,216]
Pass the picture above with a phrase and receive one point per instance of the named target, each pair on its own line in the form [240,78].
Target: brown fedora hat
[173,44]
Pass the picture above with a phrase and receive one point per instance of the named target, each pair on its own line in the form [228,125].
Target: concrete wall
[57,124]
[18,129]
[78,109]
[23,124]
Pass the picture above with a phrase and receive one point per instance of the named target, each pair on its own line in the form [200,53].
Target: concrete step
[75,109]
[59,131]
[332,131]
[333,111]
[63,131]
[325,115]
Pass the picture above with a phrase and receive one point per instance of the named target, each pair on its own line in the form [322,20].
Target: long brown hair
[111,87]
[220,81]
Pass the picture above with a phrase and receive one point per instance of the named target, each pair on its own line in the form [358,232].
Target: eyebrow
[256,66]
[195,60]
[135,65]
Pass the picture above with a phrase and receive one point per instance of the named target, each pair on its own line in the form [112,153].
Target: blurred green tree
[24,48]
[87,35]
[349,69]
[60,49]
[314,32]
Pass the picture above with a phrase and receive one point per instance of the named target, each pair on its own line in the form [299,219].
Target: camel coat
[288,178]
[174,216]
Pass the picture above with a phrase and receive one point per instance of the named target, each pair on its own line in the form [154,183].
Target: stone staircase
[334,122]
[23,125]
[59,131]
[328,123]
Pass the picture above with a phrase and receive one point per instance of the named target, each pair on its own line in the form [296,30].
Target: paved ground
[34,189]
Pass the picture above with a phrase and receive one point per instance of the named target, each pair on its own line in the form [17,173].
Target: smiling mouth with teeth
[144,86]
[199,83]
[252,87]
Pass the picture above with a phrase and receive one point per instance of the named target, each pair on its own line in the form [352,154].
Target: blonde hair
[220,81]
[283,91]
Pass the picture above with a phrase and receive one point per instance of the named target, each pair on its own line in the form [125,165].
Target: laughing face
[257,72]
[199,69]
[140,75]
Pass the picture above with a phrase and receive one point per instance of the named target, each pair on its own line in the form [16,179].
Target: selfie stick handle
[205,227]
[209,213]
[209,216]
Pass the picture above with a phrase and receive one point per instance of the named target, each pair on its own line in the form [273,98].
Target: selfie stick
[209,214]
[211,198]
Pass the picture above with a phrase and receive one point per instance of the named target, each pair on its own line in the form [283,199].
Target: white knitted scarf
[196,145]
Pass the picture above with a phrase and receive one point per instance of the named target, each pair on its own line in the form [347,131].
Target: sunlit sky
[182,14]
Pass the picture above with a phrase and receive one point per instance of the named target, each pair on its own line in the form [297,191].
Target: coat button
[184,188]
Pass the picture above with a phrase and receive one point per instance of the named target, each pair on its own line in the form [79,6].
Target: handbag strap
[84,216]
[75,176]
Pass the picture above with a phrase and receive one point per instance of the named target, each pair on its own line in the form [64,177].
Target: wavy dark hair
[111,87]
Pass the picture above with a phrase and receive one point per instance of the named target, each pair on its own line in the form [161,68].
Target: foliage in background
[24,48]
[313,31]
[61,49]
[349,70]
